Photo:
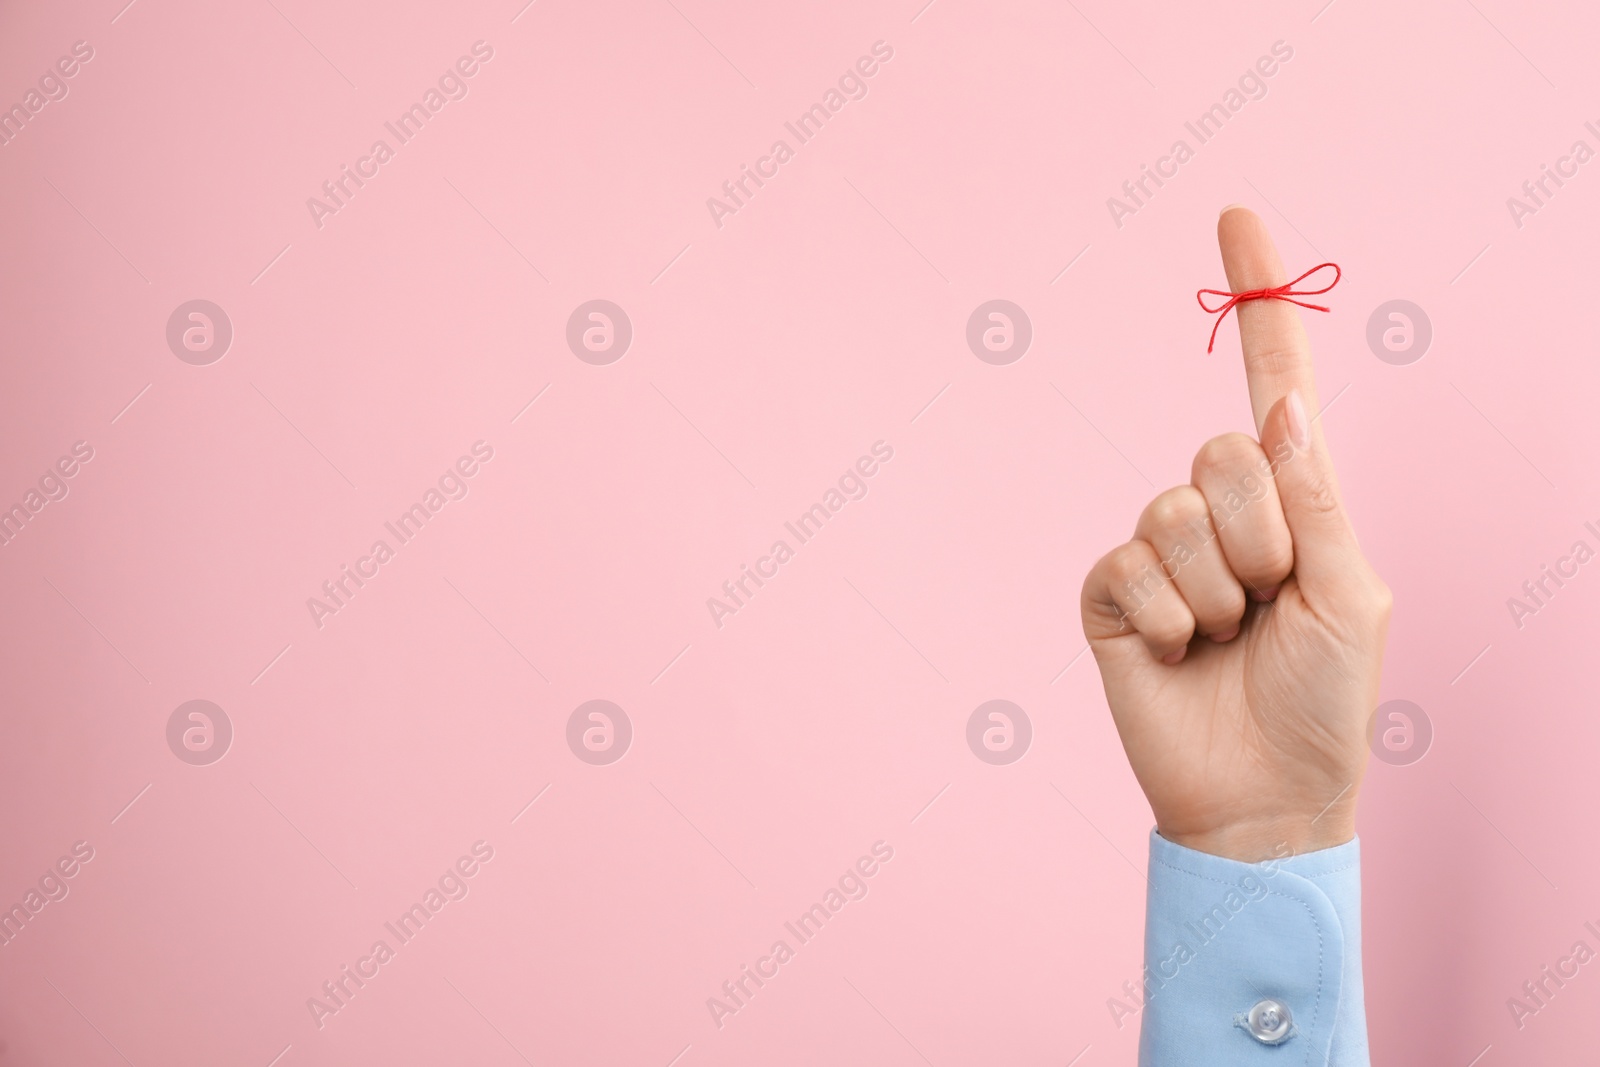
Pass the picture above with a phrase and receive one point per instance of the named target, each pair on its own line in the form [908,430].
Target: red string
[1286,291]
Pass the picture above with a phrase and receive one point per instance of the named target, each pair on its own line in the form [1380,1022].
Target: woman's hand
[1240,633]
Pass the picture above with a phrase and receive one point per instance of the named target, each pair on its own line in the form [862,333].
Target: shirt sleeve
[1253,963]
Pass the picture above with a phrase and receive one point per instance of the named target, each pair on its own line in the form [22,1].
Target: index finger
[1277,355]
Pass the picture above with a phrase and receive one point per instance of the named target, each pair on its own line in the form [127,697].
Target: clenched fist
[1240,633]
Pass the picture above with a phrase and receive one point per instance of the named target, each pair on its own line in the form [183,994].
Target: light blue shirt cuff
[1252,963]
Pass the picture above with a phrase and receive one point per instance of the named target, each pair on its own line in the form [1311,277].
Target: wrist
[1254,841]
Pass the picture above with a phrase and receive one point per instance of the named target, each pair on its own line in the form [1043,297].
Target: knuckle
[1174,508]
[1227,609]
[1319,497]
[1224,454]
[1275,362]
[1274,560]
[1262,558]
[1127,565]
[1170,630]
[1368,601]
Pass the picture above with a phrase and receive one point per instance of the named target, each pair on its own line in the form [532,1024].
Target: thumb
[1325,547]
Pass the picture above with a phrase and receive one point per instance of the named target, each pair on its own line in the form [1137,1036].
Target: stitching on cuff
[1316,1007]
[1323,874]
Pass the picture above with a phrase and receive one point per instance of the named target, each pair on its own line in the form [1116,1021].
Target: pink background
[768,354]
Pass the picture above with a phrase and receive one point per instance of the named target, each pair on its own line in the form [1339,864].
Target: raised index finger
[1277,355]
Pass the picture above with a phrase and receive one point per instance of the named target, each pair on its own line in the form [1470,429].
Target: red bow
[1285,291]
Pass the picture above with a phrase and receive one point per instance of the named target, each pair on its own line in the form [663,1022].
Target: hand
[1240,633]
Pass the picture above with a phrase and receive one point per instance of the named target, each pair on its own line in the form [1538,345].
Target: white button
[1269,1022]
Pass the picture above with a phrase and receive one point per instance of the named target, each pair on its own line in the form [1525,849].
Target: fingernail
[1227,209]
[1172,659]
[1228,635]
[1265,595]
[1299,427]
